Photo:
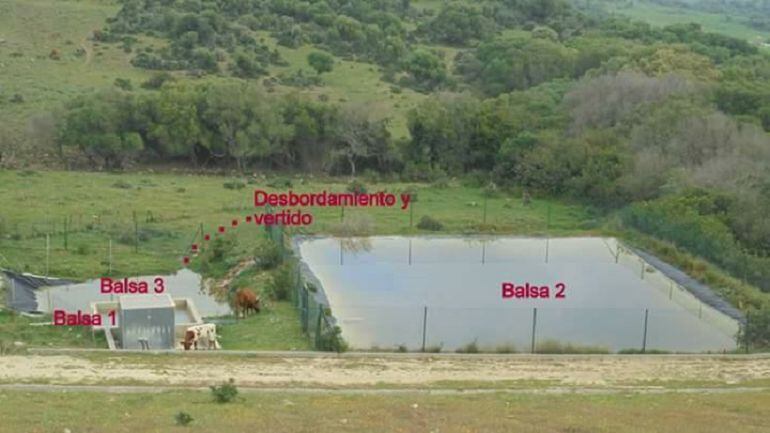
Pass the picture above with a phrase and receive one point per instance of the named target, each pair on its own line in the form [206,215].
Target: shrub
[121,184]
[268,256]
[282,282]
[157,80]
[756,333]
[224,393]
[429,223]
[356,187]
[83,249]
[183,418]
[124,83]
[553,346]
[471,347]
[332,341]
[280,182]
[236,184]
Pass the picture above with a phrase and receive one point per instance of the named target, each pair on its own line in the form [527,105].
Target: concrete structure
[146,321]
[154,322]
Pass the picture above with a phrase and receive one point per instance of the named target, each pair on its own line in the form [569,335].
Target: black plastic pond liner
[20,295]
[701,291]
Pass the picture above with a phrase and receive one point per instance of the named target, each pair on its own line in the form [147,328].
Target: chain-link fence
[683,323]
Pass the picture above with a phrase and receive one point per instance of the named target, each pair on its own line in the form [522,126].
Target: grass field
[32,412]
[14,328]
[171,207]
[659,15]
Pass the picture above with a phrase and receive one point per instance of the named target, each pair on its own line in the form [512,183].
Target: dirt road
[387,371]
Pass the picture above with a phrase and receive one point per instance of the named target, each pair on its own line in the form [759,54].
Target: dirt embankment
[397,371]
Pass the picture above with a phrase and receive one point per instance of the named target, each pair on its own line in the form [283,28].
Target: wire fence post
[66,233]
[318,326]
[746,332]
[484,219]
[534,328]
[109,257]
[410,251]
[644,337]
[47,253]
[424,326]
[136,233]
[411,213]
[342,213]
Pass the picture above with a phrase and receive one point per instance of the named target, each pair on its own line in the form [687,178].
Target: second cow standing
[245,302]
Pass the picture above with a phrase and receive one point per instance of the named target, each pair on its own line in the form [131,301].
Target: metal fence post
[136,233]
[534,328]
[644,337]
[47,253]
[746,332]
[318,326]
[424,325]
[484,219]
[410,251]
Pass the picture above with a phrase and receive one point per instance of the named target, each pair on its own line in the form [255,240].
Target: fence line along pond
[449,293]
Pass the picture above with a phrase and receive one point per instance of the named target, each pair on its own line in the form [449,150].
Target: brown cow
[246,301]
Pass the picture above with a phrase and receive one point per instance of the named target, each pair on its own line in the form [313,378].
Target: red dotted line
[195,248]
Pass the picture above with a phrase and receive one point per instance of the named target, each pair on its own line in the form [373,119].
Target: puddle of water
[183,284]
[379,289]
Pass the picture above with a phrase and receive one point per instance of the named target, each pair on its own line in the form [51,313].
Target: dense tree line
[235,124]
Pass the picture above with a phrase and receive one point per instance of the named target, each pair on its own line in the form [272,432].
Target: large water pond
[446,293]
[183,284]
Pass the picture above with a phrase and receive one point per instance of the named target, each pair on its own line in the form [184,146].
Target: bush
[157,80]
[124,84]
[236,184]
[121,184]
[556,347]
[429,223]
[332,341]
[268,256]
[282,281]
[756,333]
[280,182]
[356,187]
[471,347]
[183,418]
[224,393]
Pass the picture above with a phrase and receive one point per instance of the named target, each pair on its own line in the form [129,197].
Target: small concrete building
[146,322]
